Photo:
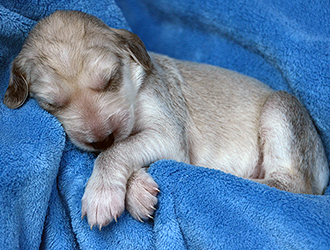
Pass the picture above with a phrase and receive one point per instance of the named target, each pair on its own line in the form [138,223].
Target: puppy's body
[212,129]
[112,97]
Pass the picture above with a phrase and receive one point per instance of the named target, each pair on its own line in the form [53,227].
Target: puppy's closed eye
[115,81]
[109,79]
[50,105]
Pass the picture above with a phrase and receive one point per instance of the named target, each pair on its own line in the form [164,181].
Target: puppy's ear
[18,88]
[135,47]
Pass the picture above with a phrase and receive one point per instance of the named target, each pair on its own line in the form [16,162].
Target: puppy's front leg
[141,195]
[104,197]
[105,191]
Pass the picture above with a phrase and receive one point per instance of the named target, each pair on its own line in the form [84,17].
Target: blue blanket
[42,175]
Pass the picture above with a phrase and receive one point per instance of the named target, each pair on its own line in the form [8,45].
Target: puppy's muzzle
[104,144]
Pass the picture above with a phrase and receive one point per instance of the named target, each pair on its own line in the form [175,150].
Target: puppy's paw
[141,195]
[102,202]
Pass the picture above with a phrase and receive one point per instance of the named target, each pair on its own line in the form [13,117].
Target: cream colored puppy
[135,108]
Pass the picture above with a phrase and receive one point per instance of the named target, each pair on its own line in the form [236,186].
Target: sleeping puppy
[135,108]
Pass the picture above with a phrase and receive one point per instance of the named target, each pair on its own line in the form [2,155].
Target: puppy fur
[135,108]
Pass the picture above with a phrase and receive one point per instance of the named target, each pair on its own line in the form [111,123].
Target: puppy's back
[224,110]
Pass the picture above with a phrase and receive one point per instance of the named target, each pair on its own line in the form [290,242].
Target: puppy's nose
[104,144]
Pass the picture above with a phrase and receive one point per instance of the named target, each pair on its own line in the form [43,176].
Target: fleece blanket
[42,175]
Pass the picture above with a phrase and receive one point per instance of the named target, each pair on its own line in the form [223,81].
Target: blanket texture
[42,175]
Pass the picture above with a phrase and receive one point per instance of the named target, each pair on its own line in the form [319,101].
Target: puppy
[135,108]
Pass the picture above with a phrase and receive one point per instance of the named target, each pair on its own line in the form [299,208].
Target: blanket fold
[43,175]
[228,212]
[29,163]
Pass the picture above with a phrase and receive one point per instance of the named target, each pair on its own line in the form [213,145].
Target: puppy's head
[86,74]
